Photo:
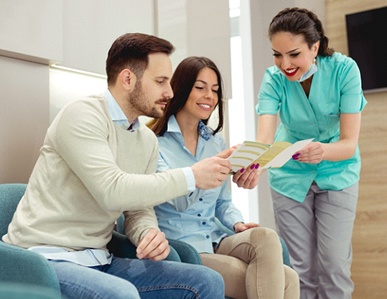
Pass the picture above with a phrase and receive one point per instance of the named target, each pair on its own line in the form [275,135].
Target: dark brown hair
[131,51]
[301,21]
[182,82]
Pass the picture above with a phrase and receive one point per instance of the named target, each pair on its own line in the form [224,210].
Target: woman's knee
[291,276]
[266,236]
[292,283]
[261,242]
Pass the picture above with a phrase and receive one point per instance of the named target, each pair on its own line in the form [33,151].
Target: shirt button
[200,199]
[207,236]
[199,215]
[204,223]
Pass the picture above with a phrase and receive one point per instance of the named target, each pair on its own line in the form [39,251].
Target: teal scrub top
[336,88]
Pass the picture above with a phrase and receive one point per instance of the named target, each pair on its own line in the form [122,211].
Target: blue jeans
[134,278]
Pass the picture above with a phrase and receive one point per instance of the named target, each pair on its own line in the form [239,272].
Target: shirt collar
[117,115]
[173,126]
[203,130]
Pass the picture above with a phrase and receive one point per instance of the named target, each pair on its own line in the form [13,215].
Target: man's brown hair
[131,51]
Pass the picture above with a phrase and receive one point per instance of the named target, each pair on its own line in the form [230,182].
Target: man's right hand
[210,172]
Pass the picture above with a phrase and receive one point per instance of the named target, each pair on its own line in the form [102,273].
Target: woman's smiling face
[203,98]
[292,54]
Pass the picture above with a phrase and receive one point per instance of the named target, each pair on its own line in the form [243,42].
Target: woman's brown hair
[182,82]
[301,21]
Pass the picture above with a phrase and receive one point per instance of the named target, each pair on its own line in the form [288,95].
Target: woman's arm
[267,125]
[343,149]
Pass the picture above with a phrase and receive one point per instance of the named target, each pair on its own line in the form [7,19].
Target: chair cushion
[10,195]
[23,291]
[19,265]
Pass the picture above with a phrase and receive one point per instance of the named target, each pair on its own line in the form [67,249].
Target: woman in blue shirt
[250,261]
[317,94]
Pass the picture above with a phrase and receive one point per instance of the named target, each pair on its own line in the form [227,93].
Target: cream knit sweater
[89,171]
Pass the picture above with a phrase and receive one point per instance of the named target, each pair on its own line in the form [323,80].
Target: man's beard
[139,101]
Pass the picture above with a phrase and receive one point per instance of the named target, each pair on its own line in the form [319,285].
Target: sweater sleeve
[138,222]
[80,136]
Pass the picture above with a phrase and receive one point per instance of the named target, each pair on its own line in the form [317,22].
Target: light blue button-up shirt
[191,218]
[335,89]
[117,115]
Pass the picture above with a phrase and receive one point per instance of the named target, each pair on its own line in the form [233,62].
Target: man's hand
[227,152]
[153,246]
[210,172]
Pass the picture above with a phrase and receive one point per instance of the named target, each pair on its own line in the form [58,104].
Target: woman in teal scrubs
[317,94]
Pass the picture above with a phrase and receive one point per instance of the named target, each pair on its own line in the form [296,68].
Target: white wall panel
[68,86]
[200,28]
[32,30]
[172,25]
[91,26]
[24,102]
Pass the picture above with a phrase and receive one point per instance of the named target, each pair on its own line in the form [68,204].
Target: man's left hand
[153,246]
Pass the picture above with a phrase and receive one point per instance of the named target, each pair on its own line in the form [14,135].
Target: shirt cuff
[190,178]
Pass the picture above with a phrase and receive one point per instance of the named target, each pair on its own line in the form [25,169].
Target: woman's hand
[247,178]
[340,150]
[312,153]
[240,226]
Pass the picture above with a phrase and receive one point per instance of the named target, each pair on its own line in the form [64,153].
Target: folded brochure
[275,155]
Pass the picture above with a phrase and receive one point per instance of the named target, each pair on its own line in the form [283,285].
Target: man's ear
[127,79]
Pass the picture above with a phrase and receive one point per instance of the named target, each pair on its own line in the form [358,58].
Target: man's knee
[211,281]
[211,275]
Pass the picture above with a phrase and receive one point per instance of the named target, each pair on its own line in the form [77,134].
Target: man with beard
[98,161]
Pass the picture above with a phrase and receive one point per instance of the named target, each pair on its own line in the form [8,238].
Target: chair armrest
[223,228]
[121,246]
[19,265]
[187,252]
[285,253]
